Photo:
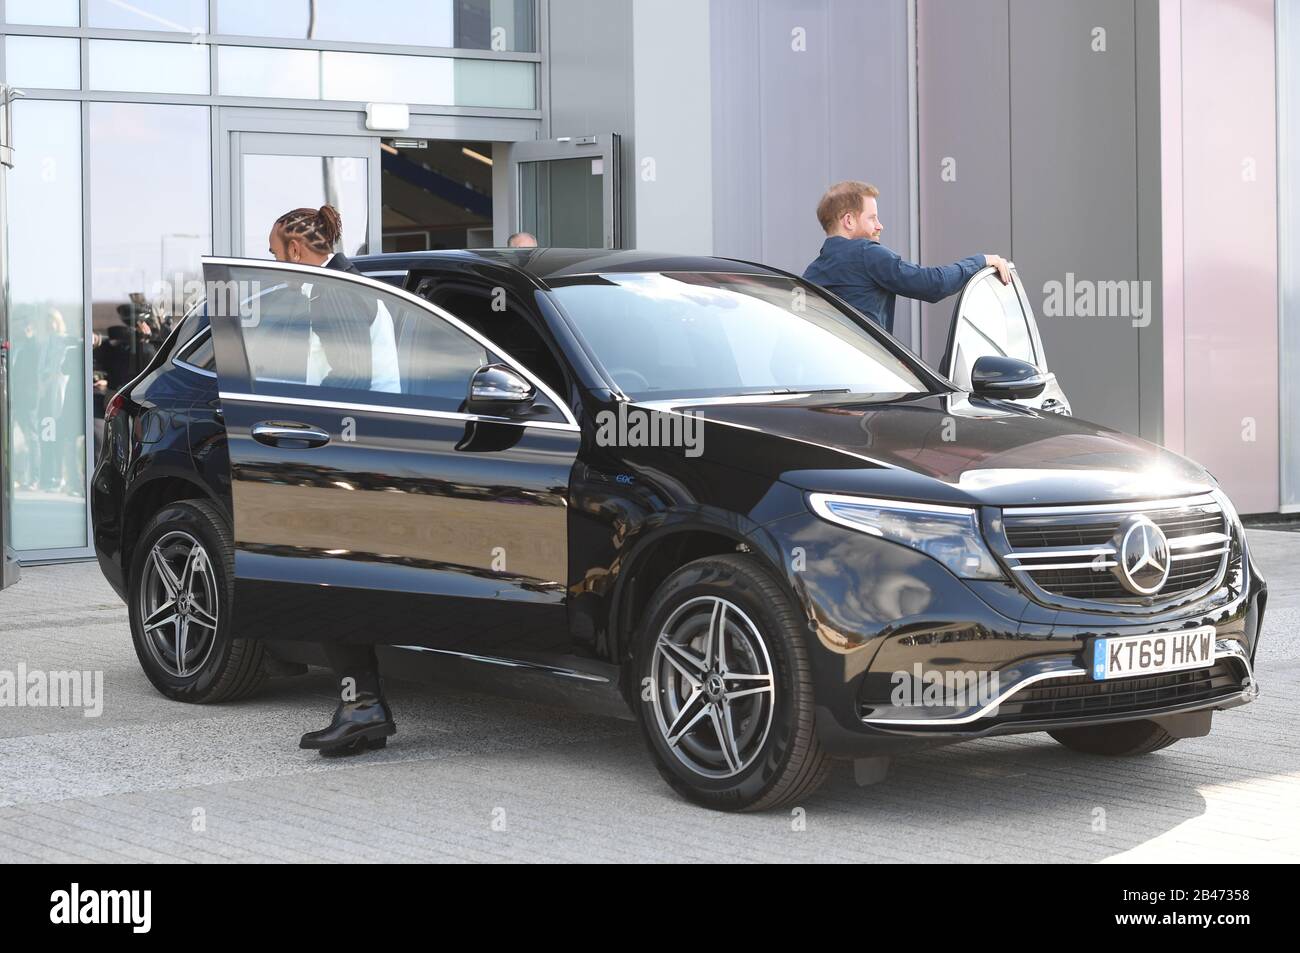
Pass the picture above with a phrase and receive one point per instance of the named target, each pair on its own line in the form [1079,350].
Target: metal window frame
[213,40]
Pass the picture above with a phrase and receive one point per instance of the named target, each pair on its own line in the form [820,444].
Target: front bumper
[879,611]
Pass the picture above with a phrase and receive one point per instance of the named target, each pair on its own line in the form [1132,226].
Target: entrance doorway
[394,194]
[420,192]
[436,193]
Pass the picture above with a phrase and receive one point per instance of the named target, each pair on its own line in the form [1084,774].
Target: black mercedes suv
[701,488]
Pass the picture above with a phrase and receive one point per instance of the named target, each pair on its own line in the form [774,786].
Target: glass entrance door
[273,173]
[568,191]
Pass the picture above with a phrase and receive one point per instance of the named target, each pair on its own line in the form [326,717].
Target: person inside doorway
[854,265]
[307,236]
[522,240]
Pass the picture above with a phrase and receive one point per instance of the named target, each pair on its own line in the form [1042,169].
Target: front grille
[1078,696]
[1069,552]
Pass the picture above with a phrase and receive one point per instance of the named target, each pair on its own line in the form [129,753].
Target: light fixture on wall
[478,156]
[389,117]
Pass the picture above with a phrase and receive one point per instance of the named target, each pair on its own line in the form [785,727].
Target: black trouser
[357,662]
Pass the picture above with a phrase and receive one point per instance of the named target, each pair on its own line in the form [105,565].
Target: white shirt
[384,377]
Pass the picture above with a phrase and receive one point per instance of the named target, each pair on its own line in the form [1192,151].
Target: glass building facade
[153,132]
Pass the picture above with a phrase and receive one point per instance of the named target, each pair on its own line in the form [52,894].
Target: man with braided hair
[308,237]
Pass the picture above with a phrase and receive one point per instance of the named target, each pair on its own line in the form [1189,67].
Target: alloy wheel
[712,687]
[179,604]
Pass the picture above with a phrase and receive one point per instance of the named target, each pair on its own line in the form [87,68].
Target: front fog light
[950,534]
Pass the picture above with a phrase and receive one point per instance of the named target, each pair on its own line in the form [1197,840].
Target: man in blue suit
[854,265]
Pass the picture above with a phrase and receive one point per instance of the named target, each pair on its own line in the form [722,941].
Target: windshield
[690,334]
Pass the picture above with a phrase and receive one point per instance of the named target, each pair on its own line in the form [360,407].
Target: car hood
[946,448]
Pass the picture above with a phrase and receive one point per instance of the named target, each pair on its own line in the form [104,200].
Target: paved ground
[475,778]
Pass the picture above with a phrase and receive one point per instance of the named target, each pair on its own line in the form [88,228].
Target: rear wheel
[726,701]
[1122,740]
[181,585]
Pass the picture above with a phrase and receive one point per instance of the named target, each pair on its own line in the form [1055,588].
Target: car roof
[544,265]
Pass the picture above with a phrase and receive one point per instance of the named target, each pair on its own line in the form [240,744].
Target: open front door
[372,502]
[996,319]
[568,191]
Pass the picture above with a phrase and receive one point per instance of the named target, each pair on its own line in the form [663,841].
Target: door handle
[276,433]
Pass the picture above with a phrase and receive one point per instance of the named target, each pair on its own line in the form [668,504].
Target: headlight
[950,534]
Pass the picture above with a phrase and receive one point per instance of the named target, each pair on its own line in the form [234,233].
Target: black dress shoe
[358,725]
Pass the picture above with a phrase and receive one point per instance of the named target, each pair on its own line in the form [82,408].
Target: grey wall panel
[867,110]
[737,114]
[1149,236]
[673,143]
[1050,139]
[963,100]
[589,59]
[788,122]
[794,129]
[588,63]
[1074,188]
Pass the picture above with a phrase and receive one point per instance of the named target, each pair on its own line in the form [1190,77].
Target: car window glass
[200,355]
[991,322]
[338,338]
[706,334]
[500,317]
[187,327]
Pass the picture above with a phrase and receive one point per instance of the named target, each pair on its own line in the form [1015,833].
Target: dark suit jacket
[341,319]
[341,262]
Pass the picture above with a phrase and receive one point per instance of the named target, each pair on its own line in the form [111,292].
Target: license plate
[1151,654]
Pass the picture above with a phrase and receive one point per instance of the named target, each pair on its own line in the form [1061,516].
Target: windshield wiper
[796,390]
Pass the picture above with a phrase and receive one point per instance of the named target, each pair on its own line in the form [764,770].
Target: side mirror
[1005,378]
[496,387]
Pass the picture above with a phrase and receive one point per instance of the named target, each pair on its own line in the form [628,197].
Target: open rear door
[996,319]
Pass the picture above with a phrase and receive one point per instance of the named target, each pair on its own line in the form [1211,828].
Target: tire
[775,758]
[1126,739]
[218,667]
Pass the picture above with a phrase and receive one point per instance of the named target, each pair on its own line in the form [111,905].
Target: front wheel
[179,597]
[726,698]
